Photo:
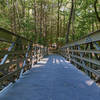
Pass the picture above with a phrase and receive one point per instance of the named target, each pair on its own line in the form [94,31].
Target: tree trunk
[14,18]
[35,21]
[57,36]
[96,12]
[69,23]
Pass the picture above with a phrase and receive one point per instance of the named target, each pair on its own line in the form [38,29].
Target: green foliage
[19,16]
[61,41]
[4,46]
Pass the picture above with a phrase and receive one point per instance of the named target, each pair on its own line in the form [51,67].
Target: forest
[50,21]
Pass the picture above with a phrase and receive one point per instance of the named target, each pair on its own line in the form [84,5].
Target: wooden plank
[11,74]
[12,52]
[93,37]
[8,36]
[85,51]
[5,36]
[6,65]
[88,68]
[97,62]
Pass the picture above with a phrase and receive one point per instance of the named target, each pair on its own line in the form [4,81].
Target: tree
[69,22]
[98,17]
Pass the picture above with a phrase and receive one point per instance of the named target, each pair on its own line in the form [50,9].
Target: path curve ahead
[53,78]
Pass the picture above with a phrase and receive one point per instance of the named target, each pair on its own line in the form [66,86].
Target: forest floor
[53,78]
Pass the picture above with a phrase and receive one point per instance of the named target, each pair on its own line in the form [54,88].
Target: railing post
[24,63]
[31,56]
[18,46]
[36,54]
[5,57]
[83,63]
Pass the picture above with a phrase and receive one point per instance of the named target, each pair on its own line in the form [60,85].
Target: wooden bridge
[27,72]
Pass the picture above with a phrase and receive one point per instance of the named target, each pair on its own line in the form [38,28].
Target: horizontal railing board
[93,37]
[8,36]
[4,35]
[12,73]
[97,62]
[87,68]
[12,52]
[9,75]
[6,65]
[86,51]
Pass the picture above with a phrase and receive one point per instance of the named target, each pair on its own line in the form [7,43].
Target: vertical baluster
[24,63]
[31,56]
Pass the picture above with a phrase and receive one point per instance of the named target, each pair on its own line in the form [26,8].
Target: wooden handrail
[93,37]
[5,35]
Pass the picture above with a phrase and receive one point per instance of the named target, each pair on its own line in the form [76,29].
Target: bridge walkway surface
[53,78]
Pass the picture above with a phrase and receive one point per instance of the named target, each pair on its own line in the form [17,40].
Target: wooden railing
[17,56]
[85,54]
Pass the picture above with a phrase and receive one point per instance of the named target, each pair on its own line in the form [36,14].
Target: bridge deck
[53,78]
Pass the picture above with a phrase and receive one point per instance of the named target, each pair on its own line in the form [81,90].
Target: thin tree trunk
[14,18]
[58,20]
[23,7]
[69,23]
[35,20]
[18,16]
[95,8]
[40,36]
[73,19]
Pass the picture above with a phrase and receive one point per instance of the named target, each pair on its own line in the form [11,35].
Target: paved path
[53,78]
